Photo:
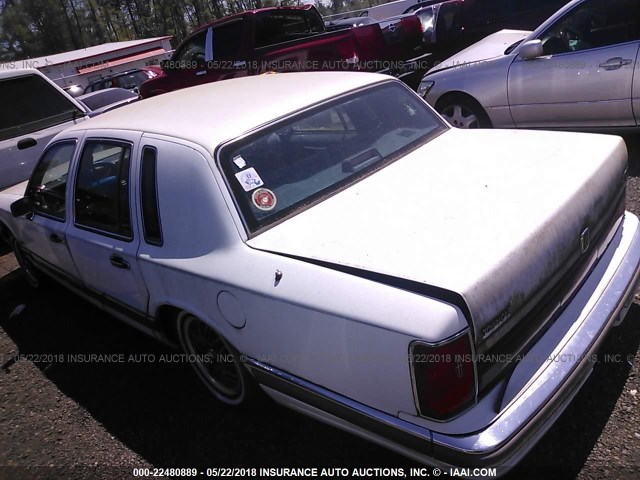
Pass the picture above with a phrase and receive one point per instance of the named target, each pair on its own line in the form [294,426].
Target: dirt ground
[66,414]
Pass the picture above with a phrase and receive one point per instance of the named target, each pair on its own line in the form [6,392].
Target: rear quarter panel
[339,331]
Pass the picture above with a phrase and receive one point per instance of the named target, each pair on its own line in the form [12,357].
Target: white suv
[34,110]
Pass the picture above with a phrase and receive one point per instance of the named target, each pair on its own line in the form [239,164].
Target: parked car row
[342,249]
[287,39]
[450,25]
[576,70]
[252,42]
[129,80]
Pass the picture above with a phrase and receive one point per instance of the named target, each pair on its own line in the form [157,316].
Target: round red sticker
[264,199]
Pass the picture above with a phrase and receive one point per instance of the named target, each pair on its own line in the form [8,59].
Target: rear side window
[102,188]
[47,188]
[227,41]
[276,27]
[149,197]
[29,104]
[449,26]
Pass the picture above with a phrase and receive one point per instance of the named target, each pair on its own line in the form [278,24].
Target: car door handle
[27,143]
[55,238]
[118,261]
[615,63]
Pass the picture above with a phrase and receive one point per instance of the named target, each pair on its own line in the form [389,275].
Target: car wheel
[215,361]
[33,276]
[463,112]
[5,240]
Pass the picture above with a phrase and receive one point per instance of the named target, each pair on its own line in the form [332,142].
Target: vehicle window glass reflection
[102,188]
[47,188]
[192,51]
[285,168]
[594,24]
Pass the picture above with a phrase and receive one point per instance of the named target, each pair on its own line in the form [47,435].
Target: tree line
[34,28]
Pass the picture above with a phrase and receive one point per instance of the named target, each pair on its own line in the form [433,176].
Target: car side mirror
[531,49]
[22,207]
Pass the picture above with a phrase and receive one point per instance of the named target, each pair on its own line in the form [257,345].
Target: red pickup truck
[285,39]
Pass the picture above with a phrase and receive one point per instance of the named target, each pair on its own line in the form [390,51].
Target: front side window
[192,53]
[47,188]
[593,24]
[102,188]
[287,167]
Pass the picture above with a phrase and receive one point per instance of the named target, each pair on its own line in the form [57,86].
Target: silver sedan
[575,71]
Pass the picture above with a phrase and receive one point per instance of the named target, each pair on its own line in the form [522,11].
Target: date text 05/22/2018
[308,472]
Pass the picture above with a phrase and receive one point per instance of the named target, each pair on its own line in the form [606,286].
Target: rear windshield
[276,27]
[30,104]
[283,169]
[130,81]
[102,98]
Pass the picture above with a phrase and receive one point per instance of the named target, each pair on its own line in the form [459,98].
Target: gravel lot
[99,419]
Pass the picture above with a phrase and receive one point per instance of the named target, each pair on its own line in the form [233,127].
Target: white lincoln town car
[328,239]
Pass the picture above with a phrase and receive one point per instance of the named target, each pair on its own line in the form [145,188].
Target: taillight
[412,27]
[347,53]
[444,379]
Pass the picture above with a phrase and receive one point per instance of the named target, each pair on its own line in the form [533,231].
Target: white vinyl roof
[213,113]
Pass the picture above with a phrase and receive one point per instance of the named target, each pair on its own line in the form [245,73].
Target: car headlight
[424,87]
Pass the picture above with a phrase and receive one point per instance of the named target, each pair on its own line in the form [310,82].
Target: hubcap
[215,361]
[460,117]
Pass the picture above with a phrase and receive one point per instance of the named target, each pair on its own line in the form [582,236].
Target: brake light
[347,52]
[412,27]
[443,376]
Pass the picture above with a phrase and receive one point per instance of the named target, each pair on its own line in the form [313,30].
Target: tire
[463,112]
[31,273]
[5,240]
[216,362]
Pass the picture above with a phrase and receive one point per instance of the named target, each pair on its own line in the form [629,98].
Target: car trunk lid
[499,218]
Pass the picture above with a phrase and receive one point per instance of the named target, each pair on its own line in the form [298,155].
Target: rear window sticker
[239,161]
[249,179]
[264,199]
